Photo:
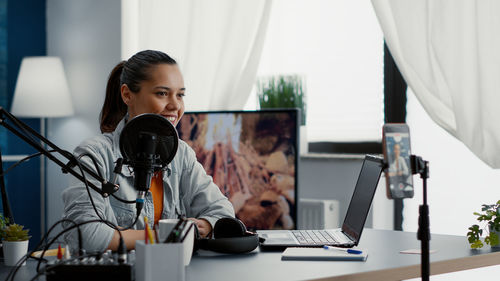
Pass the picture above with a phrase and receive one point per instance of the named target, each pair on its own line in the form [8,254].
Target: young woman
[149,82]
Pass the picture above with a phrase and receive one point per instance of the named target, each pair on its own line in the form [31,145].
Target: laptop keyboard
[319,237]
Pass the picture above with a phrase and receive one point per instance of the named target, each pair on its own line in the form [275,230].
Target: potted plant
[490,216]
[15,241]
[285,91]
[282,91]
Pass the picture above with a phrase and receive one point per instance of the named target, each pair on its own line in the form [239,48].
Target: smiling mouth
[171,119]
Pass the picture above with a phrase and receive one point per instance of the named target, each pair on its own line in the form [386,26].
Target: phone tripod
[420,166]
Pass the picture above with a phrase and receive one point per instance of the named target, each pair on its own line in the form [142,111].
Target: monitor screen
[252,157]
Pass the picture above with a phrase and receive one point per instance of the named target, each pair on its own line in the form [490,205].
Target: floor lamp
[42,92]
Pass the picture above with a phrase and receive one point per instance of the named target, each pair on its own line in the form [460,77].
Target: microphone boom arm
[25,132]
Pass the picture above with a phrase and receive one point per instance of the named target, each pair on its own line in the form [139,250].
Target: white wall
[87,36]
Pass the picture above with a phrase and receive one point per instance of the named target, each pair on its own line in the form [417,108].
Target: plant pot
[13,251]
[498,233]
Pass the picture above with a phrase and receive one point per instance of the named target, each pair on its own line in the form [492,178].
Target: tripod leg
[423,235]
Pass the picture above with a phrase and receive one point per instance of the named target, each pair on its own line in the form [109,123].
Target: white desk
[384,261]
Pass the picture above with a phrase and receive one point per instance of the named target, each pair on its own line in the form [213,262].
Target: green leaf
[477,244]
[15,232]
[471,239]
[282,91]
[493,239]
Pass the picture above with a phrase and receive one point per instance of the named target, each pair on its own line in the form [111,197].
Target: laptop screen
[362,197]
[252,156]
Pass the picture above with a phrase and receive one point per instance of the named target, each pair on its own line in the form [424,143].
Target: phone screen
[396,140]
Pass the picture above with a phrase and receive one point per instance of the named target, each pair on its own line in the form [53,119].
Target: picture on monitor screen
[252,158]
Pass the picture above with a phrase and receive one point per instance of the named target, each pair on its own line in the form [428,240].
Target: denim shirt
[187,191]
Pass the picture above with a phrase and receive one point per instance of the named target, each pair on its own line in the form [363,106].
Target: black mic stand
[420,166]
[7,212]
[31,137]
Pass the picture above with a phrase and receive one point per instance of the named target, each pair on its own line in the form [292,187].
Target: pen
[148,230]
[155,231]
[350,251]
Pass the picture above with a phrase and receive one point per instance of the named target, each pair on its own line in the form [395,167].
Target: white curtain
[449,54]
[217,44]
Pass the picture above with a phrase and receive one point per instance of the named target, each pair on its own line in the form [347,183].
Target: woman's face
[163,94]
[397,150]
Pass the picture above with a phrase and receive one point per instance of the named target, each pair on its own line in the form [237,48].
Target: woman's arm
[129,237]
[77,204]
[203,198]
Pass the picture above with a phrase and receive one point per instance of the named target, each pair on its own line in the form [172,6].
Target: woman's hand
[204,227]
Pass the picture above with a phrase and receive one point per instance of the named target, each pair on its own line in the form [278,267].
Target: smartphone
[396,147]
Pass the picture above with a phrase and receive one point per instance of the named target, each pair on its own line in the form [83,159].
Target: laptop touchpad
[281,237]
[277,235]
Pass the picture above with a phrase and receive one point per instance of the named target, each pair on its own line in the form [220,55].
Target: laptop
[354,221]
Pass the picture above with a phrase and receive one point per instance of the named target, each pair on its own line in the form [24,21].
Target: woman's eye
[162,93]
[181,95]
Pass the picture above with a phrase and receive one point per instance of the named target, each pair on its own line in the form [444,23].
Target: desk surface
[384,261]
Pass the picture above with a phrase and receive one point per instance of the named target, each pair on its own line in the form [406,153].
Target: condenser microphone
[148,143]
[146,160]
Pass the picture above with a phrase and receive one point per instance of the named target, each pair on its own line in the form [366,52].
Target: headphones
[230,237]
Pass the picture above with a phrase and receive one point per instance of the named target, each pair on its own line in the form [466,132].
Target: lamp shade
[42,89]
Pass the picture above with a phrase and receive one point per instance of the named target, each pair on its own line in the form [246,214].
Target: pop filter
[148,143]
[164,133]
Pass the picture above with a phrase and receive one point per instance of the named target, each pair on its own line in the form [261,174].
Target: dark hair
[131,72]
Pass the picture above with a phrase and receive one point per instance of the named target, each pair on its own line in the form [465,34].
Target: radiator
[318,214]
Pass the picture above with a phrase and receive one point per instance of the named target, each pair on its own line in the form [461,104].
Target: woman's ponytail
[113,108]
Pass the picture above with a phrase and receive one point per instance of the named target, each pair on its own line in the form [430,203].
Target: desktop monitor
[252,157]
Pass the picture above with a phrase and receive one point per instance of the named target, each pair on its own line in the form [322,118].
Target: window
[338,47]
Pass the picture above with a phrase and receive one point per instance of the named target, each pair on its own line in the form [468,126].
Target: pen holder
[163,261]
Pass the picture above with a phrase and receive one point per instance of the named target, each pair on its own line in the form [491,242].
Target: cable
[108,223]
[21,161]
[37,247]
[45,237]
[75,159]
[88,192]
[93,161]
[47,268]
[100,175]
[122,200]
[51,151]
[50,267]
[13,272]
